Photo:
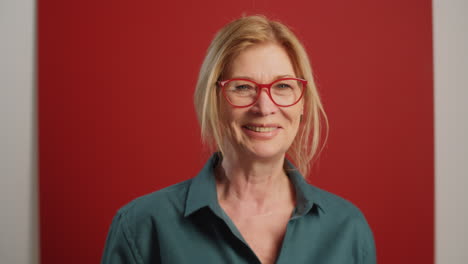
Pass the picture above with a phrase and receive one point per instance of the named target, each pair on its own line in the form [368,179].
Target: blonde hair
[227,44]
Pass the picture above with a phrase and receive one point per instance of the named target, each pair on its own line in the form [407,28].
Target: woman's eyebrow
[253,79]
[284,76]
[242,77]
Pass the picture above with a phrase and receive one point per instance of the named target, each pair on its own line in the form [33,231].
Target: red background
[110,130]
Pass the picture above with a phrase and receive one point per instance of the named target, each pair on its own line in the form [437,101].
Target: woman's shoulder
[135,224]
[336,208]
[340,213]
[334,203]
[328,203]
[164,202]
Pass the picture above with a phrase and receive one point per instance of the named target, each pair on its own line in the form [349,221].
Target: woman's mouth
[261,132]
[261,129]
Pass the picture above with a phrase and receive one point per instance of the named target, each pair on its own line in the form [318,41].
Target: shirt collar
[307,196]
[202,190]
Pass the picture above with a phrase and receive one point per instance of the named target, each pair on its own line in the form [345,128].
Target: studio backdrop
[116,115]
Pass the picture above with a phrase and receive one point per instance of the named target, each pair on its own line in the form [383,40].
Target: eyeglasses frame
[262,86]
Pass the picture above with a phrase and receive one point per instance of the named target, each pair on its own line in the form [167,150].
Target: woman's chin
[258,149]
[266,152]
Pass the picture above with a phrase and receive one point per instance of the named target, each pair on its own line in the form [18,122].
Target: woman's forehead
[261,62]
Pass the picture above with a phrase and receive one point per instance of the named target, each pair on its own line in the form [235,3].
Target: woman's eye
[283,85]
[243,87]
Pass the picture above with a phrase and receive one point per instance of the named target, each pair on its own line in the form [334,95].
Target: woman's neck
[256,186]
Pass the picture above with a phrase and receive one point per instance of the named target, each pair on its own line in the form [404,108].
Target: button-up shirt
[184,223]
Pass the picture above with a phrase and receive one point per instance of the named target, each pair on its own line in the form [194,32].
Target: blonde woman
[260,111]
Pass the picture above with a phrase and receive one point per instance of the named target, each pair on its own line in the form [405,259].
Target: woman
[257,104]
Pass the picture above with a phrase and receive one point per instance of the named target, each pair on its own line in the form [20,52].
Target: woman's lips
[262,132]
[261,129]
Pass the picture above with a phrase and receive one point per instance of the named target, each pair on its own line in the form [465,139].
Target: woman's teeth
[261,129]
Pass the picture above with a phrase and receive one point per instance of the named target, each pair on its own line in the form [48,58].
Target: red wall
[116,118]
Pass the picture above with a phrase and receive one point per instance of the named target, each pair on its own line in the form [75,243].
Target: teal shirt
[184,223]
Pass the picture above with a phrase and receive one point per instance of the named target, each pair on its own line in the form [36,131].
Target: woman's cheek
[232,132]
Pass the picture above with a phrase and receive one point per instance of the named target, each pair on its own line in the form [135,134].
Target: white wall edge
[18,126]
[450,34]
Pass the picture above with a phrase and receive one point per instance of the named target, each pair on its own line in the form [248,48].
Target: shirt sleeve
[370,258]
[120,247]
[368,244]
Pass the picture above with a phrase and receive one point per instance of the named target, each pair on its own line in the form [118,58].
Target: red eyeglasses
[244,92]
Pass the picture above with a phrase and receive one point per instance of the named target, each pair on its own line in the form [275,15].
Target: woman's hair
[227,44]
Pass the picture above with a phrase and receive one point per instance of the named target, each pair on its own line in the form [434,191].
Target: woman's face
[263,130]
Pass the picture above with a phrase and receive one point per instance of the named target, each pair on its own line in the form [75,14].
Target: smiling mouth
[261,129]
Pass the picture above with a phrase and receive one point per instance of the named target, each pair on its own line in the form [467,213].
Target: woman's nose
[264,105]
